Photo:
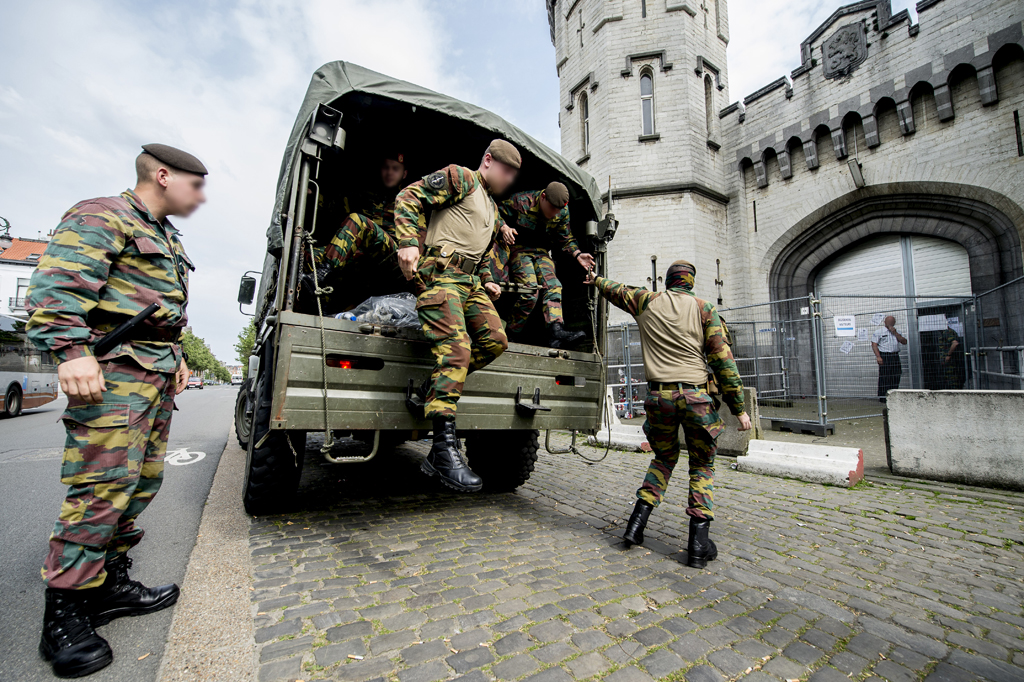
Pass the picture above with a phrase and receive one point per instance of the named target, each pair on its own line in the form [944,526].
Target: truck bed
[371,394]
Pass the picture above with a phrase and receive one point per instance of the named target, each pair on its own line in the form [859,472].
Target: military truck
[311,371]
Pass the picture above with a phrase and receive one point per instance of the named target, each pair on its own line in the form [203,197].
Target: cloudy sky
[84,82]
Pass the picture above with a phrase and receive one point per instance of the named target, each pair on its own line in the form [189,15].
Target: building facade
[17,262]
[890,135]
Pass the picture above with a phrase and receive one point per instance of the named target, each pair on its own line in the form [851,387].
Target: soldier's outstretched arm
[634,300]
[443,188]
[561,234]
[66,285]
[720,359]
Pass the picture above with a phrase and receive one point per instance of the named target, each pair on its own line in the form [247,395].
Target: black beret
[176,158]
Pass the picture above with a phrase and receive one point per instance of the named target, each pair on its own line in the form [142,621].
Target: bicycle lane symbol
[183,456]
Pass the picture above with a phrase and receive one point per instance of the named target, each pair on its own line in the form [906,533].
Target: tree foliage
[246,340]
[201,360]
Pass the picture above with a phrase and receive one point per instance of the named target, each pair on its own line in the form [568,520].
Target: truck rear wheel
[243,414]
[273,469]
[503,459]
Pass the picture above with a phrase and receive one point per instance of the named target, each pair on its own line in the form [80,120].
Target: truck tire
[272,471]
[12,402]
[503,459]
[243,414]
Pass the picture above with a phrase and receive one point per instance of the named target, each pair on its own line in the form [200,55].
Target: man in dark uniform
[108,260]
[681,336]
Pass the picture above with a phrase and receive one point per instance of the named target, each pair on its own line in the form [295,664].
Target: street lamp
[6,241]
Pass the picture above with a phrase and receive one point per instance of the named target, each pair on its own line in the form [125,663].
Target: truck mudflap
[369,369]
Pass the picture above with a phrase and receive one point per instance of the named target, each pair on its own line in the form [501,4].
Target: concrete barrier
[812,463]
[623,436]
[969,437]
[734,443]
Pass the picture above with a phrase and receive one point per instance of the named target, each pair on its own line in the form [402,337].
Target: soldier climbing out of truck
[453,300]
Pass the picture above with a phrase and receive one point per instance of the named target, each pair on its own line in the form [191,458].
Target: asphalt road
[30,498]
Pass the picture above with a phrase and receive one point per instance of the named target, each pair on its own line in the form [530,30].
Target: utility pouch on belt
[445,257]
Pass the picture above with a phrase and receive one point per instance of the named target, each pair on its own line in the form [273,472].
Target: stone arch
[887,121]
[770,159]
[982,221]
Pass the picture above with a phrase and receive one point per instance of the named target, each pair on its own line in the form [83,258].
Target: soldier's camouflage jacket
[439,190]
[108,259]
[635,300]
[522,213]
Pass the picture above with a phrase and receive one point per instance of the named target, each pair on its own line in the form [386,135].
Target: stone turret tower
[641,85]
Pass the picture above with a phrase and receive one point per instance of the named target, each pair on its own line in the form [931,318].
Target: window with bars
[585,123]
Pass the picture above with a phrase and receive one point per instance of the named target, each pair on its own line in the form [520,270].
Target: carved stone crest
[844,51]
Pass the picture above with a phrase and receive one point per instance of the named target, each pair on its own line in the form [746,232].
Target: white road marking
[183,456]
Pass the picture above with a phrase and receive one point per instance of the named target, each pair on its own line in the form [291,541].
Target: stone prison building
[890,162]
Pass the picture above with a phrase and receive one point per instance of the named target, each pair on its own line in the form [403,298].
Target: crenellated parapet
[864,63]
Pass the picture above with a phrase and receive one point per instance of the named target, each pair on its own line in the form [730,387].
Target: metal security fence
[812,362]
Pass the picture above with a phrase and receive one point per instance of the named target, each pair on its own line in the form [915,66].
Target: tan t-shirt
[466,226]
[672,337]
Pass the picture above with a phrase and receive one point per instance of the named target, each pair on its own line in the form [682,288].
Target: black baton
[123,331]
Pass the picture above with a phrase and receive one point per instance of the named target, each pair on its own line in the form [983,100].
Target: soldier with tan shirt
[681,337]
[455,289]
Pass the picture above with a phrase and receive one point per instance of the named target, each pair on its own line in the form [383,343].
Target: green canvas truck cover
[336,79]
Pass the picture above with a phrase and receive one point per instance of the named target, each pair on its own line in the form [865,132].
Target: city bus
[28,376]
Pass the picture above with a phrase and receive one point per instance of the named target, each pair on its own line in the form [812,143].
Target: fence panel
[773,344]
[812,362]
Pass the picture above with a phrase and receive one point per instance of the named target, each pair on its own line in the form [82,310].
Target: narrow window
[585,123]
[647,102]
[709,102]
[643,8]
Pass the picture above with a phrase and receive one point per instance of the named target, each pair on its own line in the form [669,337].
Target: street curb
[211,637]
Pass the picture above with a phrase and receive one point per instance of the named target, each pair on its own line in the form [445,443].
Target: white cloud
[765,37]
[222,80]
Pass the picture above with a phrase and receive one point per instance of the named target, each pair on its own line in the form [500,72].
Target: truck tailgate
[367,386]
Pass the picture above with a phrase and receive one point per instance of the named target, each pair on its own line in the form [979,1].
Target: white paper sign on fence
[846,325]
[862,334]
[877,319]
[846,347]
[931,323]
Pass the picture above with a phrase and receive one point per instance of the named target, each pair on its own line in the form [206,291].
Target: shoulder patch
[437,181]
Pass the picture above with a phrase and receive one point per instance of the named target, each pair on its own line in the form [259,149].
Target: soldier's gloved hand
[408,259]
[493,290]
[181,378]
[82,378]
[744,422]
[508,235]
[586,260]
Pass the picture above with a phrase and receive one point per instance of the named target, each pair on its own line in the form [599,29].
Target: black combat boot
[69,640]
[445,459]
[121,596]
[700,549]
[561,338]
[634,534]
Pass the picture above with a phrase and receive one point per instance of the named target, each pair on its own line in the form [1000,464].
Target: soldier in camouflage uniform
[109,259]
[368,230]
[454,302]
[533,222]
[954,374]
[681,336]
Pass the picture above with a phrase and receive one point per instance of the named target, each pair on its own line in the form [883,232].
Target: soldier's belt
[464,263]
[671,385]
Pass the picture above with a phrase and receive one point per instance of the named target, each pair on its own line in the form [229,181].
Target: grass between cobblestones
[891,580]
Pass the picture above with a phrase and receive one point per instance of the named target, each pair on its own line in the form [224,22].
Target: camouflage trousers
[359,237]
[113,465]
[534,267]
[459,319]
[694,410]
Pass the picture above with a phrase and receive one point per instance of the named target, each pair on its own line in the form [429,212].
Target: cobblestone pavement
[385,576]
